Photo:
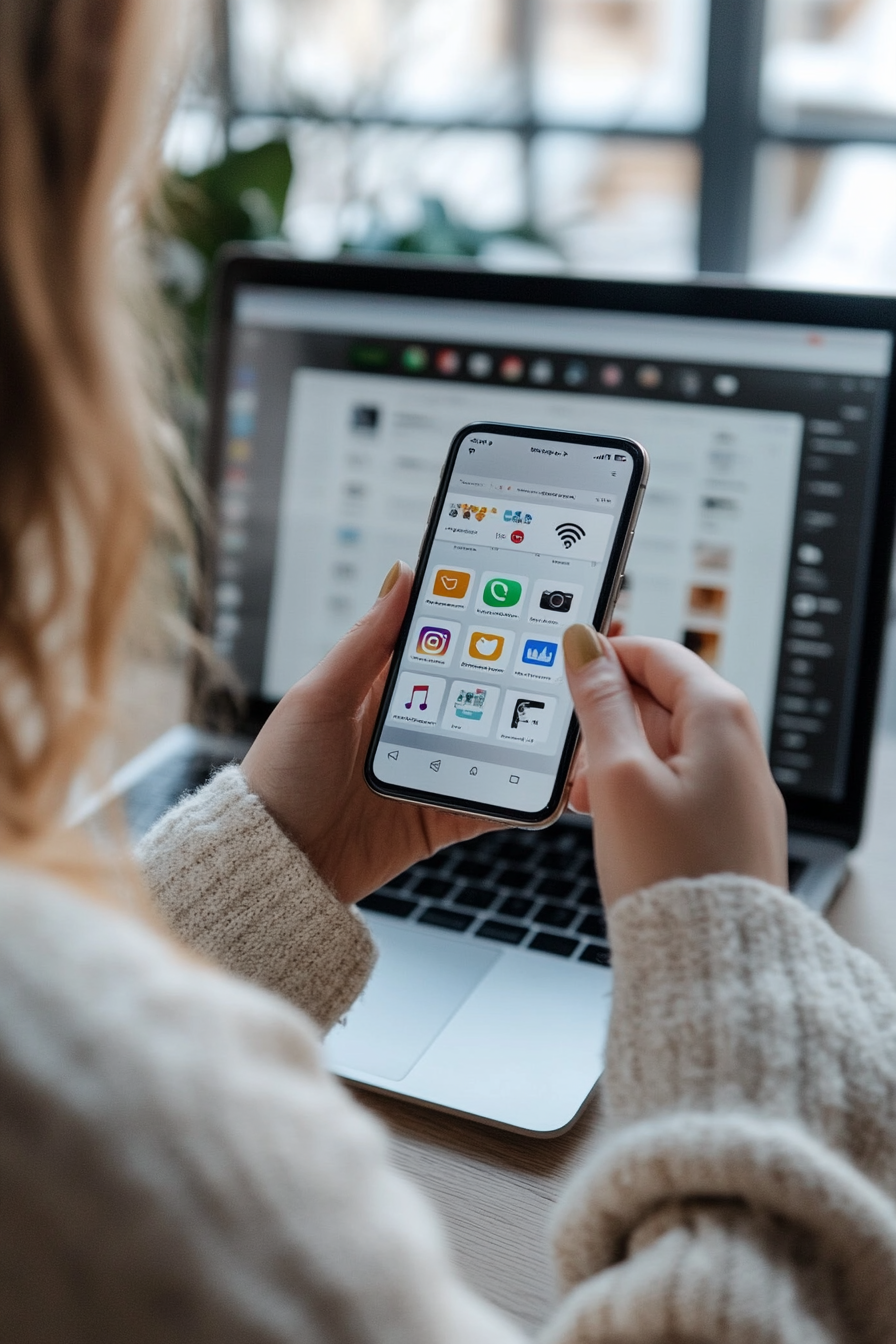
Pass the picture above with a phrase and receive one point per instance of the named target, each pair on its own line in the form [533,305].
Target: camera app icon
[555,607]
[555,601]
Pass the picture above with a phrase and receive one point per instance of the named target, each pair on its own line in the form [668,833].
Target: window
[825,188]
[645,137]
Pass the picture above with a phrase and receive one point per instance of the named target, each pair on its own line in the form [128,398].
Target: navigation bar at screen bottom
[463,777]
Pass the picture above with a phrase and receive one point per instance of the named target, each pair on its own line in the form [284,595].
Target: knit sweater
[177,1165]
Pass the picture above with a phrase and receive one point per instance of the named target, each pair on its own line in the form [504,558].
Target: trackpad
[417,986]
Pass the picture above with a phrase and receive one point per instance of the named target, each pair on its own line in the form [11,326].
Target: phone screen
[477,711]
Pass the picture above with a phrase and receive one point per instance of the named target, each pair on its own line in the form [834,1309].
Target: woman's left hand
[307,763]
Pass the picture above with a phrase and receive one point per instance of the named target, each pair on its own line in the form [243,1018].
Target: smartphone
[528,532]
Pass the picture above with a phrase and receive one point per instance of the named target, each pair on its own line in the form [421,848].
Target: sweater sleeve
[177,1165]
[743,1188]
[233,887]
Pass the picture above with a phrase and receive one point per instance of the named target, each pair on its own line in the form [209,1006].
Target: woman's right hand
[674,770]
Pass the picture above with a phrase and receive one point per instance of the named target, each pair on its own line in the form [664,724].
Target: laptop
[763,545]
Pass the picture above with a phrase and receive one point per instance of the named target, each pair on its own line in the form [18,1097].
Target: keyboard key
[517,907]
[600,956]
[388,905]
[477,898]
[557,916]
[549,942]
[401,880]
[593,926]
[433,886]
[795,870]
[515,851]
[559,861]
[589,894]
[446,919]
[558,887]
[436,862]
[501,933]
[513,877]
[472,868]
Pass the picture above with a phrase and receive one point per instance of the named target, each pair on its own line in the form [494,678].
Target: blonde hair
[83,96]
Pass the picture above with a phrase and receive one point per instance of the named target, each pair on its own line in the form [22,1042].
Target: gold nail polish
[391,579]
[581,646]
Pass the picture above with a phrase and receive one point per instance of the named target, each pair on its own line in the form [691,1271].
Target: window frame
[727,140]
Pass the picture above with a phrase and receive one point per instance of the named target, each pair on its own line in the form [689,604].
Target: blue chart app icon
[539,652]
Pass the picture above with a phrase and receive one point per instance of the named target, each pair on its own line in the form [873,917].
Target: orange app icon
[451,583]
[488,648]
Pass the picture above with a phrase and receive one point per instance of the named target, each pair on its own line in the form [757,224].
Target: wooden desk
[495,1191]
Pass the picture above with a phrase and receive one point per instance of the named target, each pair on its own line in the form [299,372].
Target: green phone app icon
[502,593]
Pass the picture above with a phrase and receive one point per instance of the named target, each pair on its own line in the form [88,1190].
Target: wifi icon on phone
[569,533]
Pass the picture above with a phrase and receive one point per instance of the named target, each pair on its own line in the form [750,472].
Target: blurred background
[651,138]
[640,138]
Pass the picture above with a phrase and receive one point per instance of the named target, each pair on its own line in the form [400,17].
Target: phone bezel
[618,554]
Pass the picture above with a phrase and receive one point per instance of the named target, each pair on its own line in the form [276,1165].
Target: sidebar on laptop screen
[752,543]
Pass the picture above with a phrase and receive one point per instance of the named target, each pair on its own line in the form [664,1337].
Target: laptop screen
[754,540]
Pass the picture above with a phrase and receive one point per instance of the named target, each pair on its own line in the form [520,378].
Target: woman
[175,1163]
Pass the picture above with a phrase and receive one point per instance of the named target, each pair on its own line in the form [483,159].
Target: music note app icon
[417,699]
[420,694]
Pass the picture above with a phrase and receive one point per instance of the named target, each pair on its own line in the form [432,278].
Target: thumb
[603,699]
[349,670]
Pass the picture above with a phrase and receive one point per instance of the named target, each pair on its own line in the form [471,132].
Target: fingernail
[391,579]
[581,646]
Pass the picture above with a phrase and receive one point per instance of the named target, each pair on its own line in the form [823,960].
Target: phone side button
[432,505]
[611,606]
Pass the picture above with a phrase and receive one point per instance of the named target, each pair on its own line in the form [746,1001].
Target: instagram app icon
[433,641]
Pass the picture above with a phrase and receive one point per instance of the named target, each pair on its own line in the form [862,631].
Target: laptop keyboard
[536,890]
[159,790]
[531,889]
